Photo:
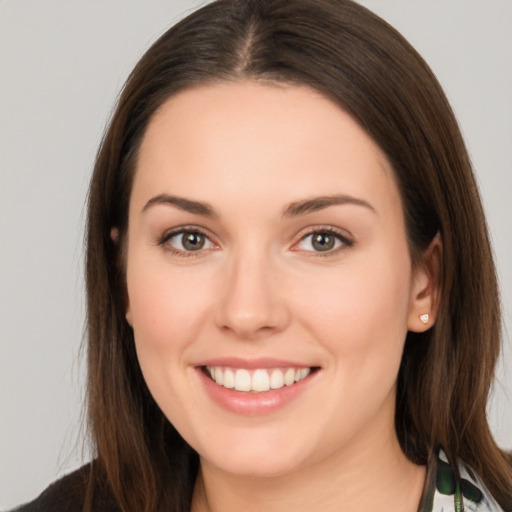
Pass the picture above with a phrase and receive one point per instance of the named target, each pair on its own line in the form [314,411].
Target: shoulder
[70,493]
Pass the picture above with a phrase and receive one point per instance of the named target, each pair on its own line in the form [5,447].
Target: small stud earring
[425,318]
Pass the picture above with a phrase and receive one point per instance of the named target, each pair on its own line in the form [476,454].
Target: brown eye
[323,241]
[193,241]
[188,241]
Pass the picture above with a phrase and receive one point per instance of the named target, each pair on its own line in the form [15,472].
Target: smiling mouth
[258,380]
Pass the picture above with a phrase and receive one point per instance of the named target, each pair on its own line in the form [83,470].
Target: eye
[186,241]
[325,240]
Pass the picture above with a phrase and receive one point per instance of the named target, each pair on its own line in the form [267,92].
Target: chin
[255,459]
[256,468]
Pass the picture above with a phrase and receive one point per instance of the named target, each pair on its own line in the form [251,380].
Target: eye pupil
[193,241]
[323,242]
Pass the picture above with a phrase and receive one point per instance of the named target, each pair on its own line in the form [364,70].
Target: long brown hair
[356,59]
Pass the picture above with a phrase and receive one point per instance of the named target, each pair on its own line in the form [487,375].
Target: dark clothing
[69,494]
[443,492]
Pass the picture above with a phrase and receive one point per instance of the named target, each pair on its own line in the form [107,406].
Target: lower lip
[253,404]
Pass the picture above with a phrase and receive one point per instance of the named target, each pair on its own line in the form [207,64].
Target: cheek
[360,313]
[167,310]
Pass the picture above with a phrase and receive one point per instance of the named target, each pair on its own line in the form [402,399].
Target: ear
[128,315]
[425,289]
[114,235]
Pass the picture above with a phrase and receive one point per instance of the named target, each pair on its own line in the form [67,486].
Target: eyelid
[167,235]
[345,238]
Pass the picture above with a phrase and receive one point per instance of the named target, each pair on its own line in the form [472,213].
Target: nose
[252,300]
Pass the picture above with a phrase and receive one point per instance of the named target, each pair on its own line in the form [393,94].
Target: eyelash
[181,231]
[316,230]
[345,241]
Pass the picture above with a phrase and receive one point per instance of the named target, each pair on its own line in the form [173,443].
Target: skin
[258,288]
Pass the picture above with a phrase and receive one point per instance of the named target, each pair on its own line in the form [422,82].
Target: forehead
[247,139]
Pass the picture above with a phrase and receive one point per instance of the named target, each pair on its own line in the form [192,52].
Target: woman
[283,235]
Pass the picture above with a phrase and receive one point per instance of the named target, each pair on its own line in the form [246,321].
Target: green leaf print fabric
[444,493]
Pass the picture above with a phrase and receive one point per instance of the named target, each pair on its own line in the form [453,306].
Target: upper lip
[261,362]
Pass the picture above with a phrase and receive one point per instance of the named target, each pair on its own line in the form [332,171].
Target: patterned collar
[444,493]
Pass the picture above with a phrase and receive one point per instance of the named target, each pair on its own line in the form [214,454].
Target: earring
[425,318]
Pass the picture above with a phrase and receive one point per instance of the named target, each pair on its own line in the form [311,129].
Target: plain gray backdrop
[62,64]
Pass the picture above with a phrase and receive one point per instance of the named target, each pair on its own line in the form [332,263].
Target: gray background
[62,63]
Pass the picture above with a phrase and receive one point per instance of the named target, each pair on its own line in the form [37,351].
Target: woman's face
[266,244]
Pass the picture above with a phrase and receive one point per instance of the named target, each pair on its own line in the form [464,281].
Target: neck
[376,477]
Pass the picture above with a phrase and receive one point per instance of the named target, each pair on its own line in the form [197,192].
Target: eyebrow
[319,203]
[292,210]
[188,205]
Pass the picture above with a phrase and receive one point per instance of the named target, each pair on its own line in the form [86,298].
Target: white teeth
[289,377]
[276,379]
[229,379]
[304,372]
[259,380]
[219,376]
[242,380]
